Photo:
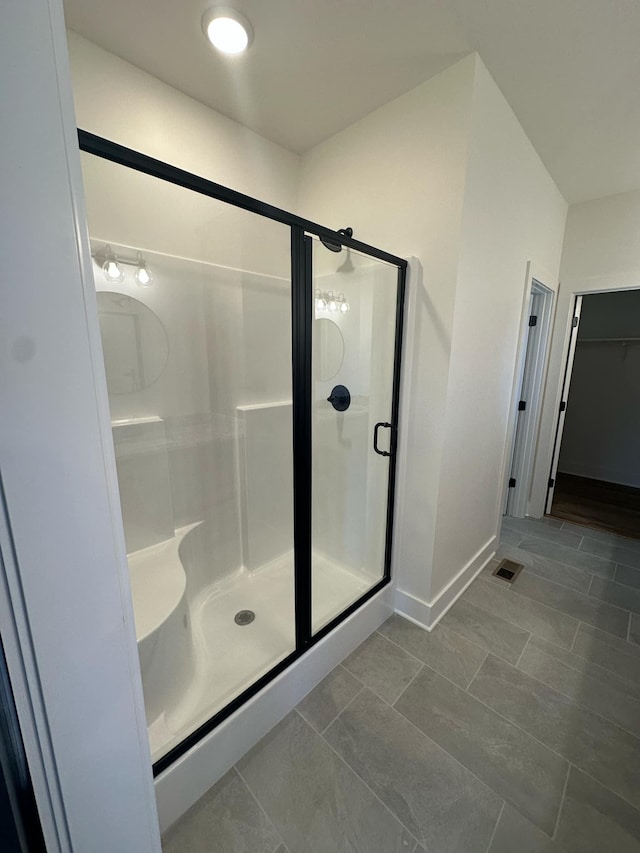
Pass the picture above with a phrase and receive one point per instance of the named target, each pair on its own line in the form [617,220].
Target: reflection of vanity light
[327,301]
[112,266]
[112,270]
[143,276]
[321,302]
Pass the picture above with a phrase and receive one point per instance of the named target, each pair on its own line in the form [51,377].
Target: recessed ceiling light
[227,30]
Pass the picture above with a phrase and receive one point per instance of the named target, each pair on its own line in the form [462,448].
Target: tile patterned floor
[513,726]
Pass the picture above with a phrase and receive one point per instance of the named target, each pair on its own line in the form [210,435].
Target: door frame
[561,340]
[615,284]
[531,373]
[67,621]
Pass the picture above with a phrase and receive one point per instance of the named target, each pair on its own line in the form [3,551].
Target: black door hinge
[522,405]
[574,322]
[563,406]
[533,320]
[512,482]
[552,482]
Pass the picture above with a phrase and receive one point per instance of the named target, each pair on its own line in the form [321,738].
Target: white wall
[447,174]
[513,213]
[601,253]
[397,177]
[600,438]
[122,103]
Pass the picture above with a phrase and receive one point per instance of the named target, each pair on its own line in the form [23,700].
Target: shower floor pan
[229,657]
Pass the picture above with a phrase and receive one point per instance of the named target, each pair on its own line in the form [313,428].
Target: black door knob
[340,398]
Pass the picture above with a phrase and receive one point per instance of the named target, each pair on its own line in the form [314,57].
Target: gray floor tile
[538,527]
[510,537]
[592,532]
[226,818]
[513,764]
[634,629]
[325,702]
[530,615]
[382,666]
[569,556]
[621,596]
[443,650]
[317,803]
[588,741]
[440,802]
[593,820]
[516,833]
[620,551]
[591,669]
[542,661]
[628,576]
[578,579]
[610,652]
[486,630]
[596,613]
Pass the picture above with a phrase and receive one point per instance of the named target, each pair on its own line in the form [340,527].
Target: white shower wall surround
[205,470]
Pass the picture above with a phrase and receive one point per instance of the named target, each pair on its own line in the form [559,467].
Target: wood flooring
[605,506]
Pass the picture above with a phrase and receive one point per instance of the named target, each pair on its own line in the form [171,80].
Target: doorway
[532,368]
[595,475]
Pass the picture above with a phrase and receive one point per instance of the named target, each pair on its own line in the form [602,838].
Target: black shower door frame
[302,305]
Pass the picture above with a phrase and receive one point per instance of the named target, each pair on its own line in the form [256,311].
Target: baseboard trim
[187,779]
[614,476]
[428,614]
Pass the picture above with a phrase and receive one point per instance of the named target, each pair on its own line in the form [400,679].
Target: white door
[566,382]
[535,347]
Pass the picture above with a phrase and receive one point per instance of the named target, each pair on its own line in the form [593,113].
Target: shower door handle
[375,438]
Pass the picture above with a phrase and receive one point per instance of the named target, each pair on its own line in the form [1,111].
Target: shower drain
[244,617]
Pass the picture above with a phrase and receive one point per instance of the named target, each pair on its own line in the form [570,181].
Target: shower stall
[252,361]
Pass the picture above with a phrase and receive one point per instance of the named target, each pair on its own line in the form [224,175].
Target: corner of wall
[513,213]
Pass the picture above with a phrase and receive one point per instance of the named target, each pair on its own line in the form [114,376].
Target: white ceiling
[569,68]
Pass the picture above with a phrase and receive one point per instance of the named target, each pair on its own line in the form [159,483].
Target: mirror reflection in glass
[328,348]
[134,342]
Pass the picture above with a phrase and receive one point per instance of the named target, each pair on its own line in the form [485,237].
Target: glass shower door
[194,305]
[253,375]
[355,308]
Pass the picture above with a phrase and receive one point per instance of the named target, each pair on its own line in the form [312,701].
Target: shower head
[347,265]
[333,246]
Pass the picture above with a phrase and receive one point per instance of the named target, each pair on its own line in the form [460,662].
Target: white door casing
[65,601]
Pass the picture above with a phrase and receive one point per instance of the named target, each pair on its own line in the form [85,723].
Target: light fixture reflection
[142,276]
[112,269]
[113,266]
[328,301]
